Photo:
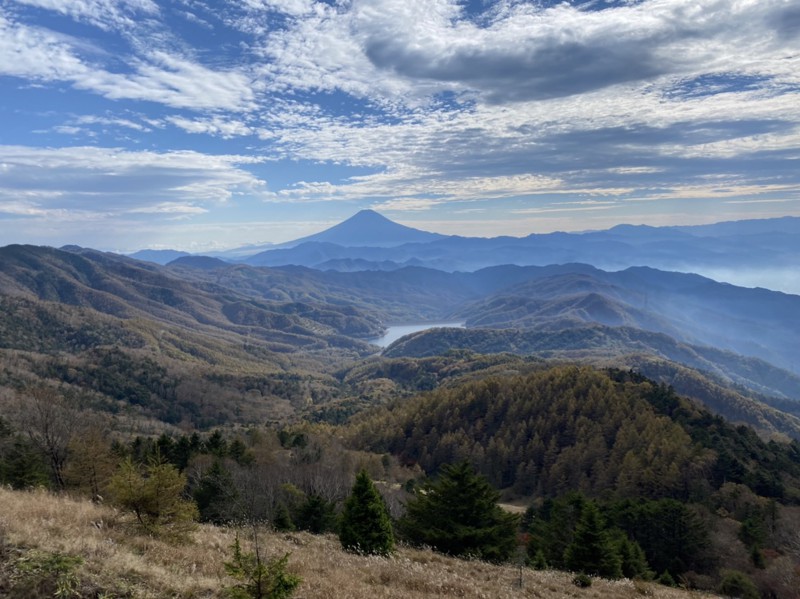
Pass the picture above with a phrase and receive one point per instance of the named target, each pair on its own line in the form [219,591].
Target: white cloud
[106,14]
[396,49]
[93,125]
[42,55]
[216,126]
[557,209]
[174,81]
[111,180]
[772,201]
[89,119]
[174,209]
[406,205]
[290,7]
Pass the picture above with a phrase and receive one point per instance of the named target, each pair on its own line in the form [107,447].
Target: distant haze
[778,279]
[751,253]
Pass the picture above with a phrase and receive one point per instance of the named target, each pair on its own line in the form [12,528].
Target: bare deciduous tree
[50,423]
[91,461]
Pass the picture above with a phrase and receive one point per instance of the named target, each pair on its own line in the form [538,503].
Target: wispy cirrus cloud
[39,54]
[113,180]
[105,14]
[225,128]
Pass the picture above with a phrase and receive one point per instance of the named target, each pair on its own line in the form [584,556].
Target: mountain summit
[368,228]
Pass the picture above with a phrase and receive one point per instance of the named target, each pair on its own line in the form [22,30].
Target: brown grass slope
[119,563]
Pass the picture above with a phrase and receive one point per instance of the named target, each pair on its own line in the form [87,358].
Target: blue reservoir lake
[393,333]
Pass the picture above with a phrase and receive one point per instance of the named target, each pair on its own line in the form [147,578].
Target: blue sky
[194,125]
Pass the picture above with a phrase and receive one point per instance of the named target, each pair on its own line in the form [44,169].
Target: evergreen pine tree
[22,466]
[258,578]
[633,561]
[458,514]
[365,524]
[666,579]
[155,496]
[215,494]
[591,550]
[316,515]
[539,561]
[283,519]
[738,584]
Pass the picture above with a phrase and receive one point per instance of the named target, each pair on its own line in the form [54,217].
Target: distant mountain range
[753,253]
[577,296]
[270,319]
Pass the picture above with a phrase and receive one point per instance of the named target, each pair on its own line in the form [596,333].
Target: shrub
[757,557]
[582,581]
[738,584]
[259,579]
[43,574]
[154,495]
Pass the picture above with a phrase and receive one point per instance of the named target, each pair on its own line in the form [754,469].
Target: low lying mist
[777,279]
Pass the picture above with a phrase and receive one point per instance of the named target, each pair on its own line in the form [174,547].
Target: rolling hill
[689,308]
[128,289]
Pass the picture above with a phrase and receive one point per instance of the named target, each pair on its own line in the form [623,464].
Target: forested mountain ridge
[689,308]
[608,455]
[768,414]
[121,336]
[591,340]
[129,288]
[569,428]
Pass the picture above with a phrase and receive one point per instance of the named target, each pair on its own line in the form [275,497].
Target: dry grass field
[116,562]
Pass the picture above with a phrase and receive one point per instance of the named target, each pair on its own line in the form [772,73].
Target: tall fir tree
[215,495]
[592,551]
[458,514]
[365,525]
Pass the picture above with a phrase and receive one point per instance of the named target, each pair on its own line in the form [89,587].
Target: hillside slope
[128,289]
[37,526]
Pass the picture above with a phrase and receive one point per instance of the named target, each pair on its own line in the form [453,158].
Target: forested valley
[243,411]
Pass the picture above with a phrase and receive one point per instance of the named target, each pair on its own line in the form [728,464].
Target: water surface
[394,333]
